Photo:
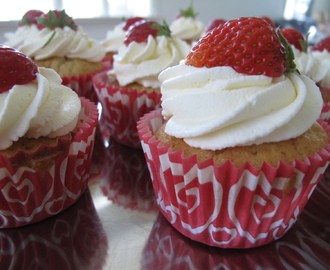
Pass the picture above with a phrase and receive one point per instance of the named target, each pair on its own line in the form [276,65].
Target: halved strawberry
[131,21]
[55,18]
[30,17]
[15,68]
[323,44]
[295,38]
[249,45]
[142,29]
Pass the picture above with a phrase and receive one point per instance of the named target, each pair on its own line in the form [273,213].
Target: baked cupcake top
[33,102]
[236,87]
[147,50]
[55,34]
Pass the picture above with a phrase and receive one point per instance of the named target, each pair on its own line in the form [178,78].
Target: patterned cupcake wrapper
[226,206]
[28,196]
[121,109]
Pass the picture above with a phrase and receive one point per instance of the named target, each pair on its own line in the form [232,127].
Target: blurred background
[98,16]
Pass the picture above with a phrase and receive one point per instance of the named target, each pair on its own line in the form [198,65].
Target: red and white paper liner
[28,196]
[166,248]
[74,239]
[83,85]
[122,108]
[127,181]
[226,206]
[325,112]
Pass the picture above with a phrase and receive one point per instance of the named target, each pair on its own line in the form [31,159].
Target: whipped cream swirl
[16,39]
[215,108]
[114,38]
[315,65]
[142,62]
[64,42]
[43,107]
[187,28]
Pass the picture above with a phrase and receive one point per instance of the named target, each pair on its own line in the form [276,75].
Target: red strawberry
[248,45]
[15,68]
[295,38]
[55,18]
[141,30]
[30,17]
[214,23]
[323,44]
[131,21]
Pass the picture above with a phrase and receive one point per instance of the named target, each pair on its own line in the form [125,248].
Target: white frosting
[323,67]
[114,38]
[66,42]
[314,65]
[43,107]
[17,38]
[215,108]
[187,28]
[142,62]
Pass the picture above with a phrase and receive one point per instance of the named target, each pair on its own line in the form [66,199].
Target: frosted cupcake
[187,27]
[131,88]
[240,150]
[57,42]
[46,136]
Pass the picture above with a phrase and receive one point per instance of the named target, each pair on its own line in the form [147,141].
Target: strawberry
[55,18]
[249,45]
[131,21]
[323,44]
[16,68]
[141,30]
[214,23]
[295,38]
[30,17]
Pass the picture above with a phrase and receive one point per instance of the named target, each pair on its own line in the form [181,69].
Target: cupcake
[311,64]
[187,27]
[237,148]
[74,239]
[131,88]
[46,141]
[115,38]
[57,42]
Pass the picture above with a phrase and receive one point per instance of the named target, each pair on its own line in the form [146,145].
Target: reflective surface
[116,225]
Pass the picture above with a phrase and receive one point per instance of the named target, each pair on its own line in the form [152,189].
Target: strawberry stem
[163,29]
[50,39]
[289,55]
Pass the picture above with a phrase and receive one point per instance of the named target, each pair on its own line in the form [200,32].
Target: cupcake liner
[127,180]
[28,196]
[325,113]
[74,239]
[121,109]
[82,85]
[226,206]
[166,248]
